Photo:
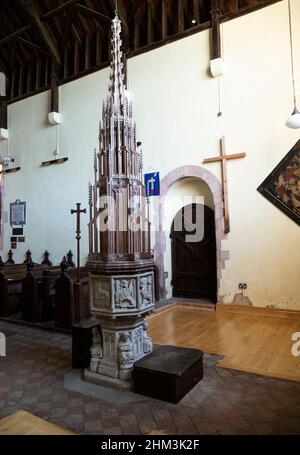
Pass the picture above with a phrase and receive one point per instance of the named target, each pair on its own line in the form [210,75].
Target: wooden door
[194,267]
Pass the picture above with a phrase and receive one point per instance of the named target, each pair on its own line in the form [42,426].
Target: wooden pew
[11,288]
[39,290]
[39,301]
[71,297]
[10,294]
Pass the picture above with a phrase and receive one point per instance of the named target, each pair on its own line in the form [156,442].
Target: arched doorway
[194,255]
[161,243]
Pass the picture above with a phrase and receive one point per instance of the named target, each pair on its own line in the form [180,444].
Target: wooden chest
[82,340]
[168,373]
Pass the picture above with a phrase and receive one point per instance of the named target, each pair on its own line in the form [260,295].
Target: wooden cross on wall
[223,158]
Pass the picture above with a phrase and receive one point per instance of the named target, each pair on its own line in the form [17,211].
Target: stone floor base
[106,381]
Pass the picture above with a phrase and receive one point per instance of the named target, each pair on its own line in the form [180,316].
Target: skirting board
[259,311]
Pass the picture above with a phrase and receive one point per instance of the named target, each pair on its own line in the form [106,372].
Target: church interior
[149,217]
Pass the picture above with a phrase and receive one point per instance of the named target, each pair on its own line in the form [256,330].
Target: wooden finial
[10,258]
[46,260]
[70,259]
[64,266]
[30,266]
[28,257]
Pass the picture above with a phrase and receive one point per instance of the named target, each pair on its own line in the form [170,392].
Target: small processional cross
[78,211]
[223,158]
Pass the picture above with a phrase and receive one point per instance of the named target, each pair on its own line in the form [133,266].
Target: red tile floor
[225,402]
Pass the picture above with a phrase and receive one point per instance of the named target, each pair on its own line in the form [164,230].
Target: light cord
[292,52]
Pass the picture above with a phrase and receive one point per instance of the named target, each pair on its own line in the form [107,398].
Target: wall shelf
[56,161]
[10,171]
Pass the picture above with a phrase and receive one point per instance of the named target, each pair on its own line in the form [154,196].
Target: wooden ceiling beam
[196,11]
[93,13]
[3,112]
[3,65]
[216,30]
[68,26]
[13,50]
[32,10]
[164,19]
[31,44]
[103,4]
[180,16]
[98,24]
[58,10]
[150,33]
[18,32]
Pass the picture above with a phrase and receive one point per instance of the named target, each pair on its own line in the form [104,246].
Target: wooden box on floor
[82,340]
[168,373]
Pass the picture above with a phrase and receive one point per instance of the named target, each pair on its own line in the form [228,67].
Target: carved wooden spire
[118,173]
[117,88]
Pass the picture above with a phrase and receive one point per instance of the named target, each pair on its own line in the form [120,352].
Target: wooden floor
[252,343]
[25,424]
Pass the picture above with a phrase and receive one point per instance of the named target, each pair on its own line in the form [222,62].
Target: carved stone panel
[146,290]
[100,293]
[109,345]
[138,339]
[125,297]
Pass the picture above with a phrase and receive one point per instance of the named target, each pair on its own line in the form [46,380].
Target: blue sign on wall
[152,184]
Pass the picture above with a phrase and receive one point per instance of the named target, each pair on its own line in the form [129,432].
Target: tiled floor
[225,402]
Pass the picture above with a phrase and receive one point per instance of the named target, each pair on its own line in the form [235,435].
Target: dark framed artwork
[282,187]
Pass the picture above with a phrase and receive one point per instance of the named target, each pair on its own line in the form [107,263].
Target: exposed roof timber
[146,25]
[90,4]
[57,10]
[18,32]
[32,9]
[3,66]
[92,12]
[196,10]
[31,44]
[103,4]
[68,25]
[13,49]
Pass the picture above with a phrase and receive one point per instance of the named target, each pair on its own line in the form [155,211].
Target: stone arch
[215,187]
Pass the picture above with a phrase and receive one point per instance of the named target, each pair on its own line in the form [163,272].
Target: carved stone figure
[146,290]
[125,352]
[147,341]
[96,349]
[124,294]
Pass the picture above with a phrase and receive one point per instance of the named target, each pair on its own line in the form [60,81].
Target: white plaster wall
[176,105]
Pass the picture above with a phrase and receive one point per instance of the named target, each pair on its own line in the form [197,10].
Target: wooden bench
[40,302]
[34,295]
